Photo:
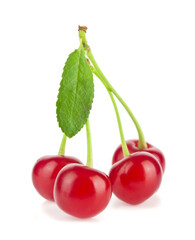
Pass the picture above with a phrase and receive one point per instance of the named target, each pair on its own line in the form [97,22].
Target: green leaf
[76,94]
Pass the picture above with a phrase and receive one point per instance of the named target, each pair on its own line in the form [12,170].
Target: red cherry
[136,177]
[82,191]
[45,171]
[132,145]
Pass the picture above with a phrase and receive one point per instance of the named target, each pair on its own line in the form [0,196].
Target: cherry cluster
[82,191]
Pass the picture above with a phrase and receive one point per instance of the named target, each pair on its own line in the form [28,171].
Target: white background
[147,51]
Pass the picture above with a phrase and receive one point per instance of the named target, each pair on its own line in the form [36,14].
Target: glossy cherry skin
[132,145]
[45,171]
[82,191]
[136,177]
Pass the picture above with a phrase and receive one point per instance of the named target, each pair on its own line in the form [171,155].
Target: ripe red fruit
[136,177]
[82,191]
[45,171]
[132,145]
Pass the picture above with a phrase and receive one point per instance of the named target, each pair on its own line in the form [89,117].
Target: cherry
[136,177]
[82,191]
[45,171]
[132,146]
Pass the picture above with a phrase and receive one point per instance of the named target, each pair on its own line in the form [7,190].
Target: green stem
[89,145]
[142,143]
[62,146]
[123,142]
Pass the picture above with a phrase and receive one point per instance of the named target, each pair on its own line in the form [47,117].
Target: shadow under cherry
[52,211]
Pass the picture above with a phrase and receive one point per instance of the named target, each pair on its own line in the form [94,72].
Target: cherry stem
[142,143]
[89,145]
[62,146]
[123,142]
